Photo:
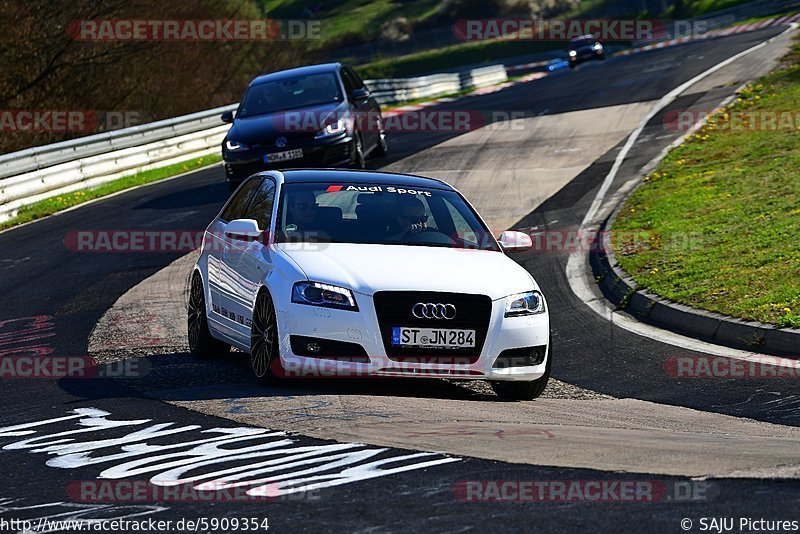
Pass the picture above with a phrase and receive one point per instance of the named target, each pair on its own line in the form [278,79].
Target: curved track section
[612,407]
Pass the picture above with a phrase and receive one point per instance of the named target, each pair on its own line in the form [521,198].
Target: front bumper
[363,328]
[330,152]
[586,55]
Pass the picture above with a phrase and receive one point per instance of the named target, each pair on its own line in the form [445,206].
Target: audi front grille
[395,308]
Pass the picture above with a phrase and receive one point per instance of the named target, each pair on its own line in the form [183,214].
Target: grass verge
[723,210]
[51,205]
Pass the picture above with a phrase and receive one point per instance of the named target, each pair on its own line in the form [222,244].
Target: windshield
[582,42]
[291,93]
[379,214]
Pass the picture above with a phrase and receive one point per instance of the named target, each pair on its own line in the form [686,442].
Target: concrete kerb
[626,294]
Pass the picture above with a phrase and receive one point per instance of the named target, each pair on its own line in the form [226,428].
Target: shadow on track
[182,377]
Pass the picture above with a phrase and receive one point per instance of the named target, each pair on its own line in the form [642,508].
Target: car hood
[370,268]
[294,123]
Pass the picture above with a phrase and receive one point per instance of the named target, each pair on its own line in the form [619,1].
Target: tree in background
[44,68]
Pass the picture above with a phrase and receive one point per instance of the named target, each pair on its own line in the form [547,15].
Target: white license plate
[404,336]
[283,156]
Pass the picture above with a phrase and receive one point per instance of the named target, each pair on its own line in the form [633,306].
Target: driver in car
[409,219]
[302,217]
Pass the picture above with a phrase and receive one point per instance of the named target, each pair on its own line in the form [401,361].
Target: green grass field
[350,17]
[723,210]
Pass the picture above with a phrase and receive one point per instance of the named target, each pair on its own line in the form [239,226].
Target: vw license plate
[283,156]
[432,337]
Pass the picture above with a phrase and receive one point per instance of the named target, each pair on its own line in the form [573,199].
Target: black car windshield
[290,93]
[379,214]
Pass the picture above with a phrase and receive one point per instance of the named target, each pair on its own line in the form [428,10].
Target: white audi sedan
[357,273]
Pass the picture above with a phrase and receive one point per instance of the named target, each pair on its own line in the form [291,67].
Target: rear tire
[509,390]
[201,343]
[264,351]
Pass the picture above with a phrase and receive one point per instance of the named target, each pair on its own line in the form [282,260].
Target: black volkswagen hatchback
[315,116]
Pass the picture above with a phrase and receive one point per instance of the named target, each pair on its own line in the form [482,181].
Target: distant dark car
[315,116]
[584,48]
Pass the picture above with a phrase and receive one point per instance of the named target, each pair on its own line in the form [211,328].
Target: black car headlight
[530,303]
[325,295]
[235,146]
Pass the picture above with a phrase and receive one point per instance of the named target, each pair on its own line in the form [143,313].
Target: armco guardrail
[404,89]
[42,172]
[45,156]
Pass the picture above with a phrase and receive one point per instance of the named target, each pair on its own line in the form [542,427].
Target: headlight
[572,53]
[530,303]
[234,146]
[325,295]
[334,128]
[598,46]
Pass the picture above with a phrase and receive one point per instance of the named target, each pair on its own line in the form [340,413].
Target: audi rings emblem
[429,310]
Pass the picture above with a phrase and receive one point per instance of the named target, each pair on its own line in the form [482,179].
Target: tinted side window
[260,207]
[349,84]
[238,204]
[357,81]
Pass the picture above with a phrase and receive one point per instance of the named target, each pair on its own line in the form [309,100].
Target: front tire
[383,145]
[201,343]
[359,158]
[509,390]
[264,352]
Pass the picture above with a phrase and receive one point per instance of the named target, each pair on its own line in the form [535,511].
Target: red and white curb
[787,19]
[741,28]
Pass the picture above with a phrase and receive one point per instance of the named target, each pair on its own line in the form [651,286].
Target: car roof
[299,71]
[588,37]
[360,177]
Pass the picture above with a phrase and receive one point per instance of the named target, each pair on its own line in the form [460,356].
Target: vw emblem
[428,310]
[280,142]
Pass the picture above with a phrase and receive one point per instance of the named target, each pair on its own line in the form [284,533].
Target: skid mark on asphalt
[476,430]
[307,410]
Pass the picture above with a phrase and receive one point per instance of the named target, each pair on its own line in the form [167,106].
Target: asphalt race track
[611,404]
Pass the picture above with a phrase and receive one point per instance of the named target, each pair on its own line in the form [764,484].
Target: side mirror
[227,116]
[515,241]
[243,230]
[362,93]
